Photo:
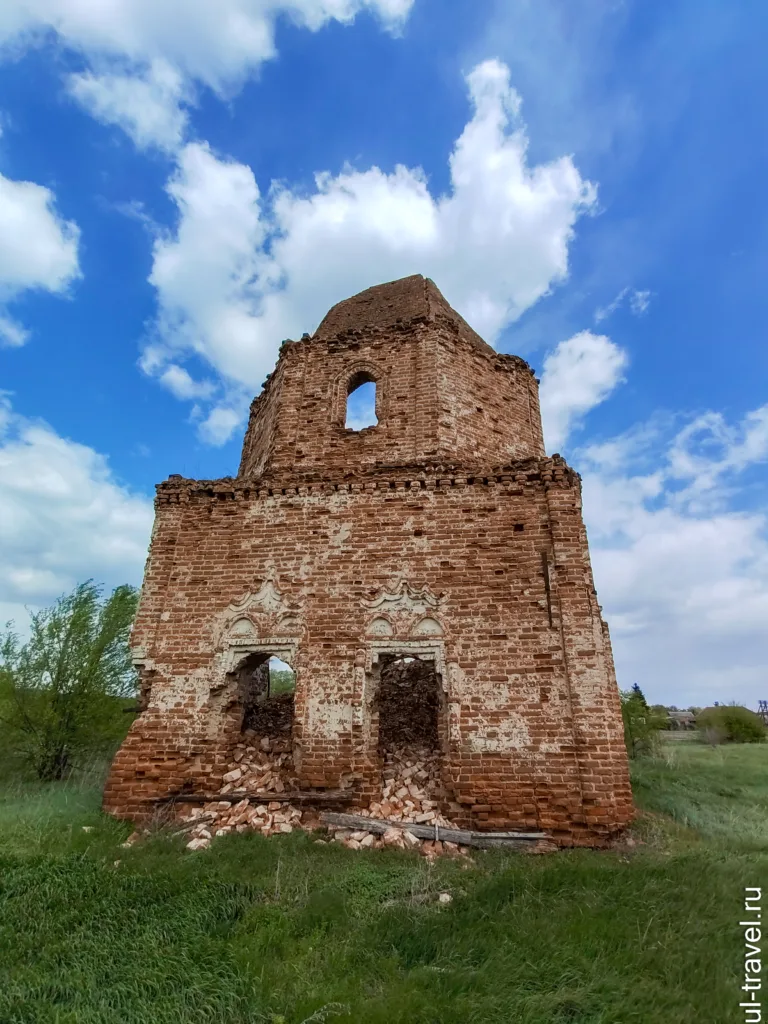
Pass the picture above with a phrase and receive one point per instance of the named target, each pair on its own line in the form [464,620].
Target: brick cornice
[547,472]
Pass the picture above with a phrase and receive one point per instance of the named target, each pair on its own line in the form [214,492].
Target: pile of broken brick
[265,767]
[411,793]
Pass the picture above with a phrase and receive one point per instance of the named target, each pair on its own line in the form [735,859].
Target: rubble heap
[264,764]
[411,791]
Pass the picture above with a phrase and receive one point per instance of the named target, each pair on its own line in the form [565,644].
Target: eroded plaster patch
[508,735]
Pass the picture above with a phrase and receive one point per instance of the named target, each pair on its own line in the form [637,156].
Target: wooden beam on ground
[516,840]
[188,826]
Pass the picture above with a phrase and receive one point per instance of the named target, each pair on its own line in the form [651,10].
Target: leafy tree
[60,691]
[641,723]
[281,681]
[731,722]
[662,712]
[639,694]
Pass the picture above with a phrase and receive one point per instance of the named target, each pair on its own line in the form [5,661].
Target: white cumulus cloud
[680,559]
[241,271]
[684,584]
[64,517]
[145,55]
[709,447]
[216,43]
[221,421]
[206,272]
[578,374]
[12,333]
[181,384]
[144,103]
[38,249]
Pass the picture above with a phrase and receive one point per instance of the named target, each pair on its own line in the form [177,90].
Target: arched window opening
[361,402]
[409,733]
[264,709]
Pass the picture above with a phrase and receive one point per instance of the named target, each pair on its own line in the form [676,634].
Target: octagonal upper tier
[442,394]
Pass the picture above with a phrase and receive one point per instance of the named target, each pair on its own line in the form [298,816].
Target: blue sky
[584,180]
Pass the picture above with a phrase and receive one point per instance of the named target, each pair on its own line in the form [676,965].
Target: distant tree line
[721,723]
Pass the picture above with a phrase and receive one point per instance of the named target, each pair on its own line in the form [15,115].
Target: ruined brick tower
[442,534]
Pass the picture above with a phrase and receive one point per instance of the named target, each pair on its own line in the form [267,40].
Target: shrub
[638,693]
[641,723]
[732,723]
[61,691]
[661,712]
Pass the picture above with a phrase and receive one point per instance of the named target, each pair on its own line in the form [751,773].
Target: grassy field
[283,931]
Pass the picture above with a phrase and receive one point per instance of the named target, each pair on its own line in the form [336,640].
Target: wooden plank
[188,826]
[451,835]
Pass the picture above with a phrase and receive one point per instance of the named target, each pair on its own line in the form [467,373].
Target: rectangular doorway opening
[409,706]
[263,706]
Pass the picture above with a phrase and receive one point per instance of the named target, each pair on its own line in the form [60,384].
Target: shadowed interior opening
[265,689]
[408,705]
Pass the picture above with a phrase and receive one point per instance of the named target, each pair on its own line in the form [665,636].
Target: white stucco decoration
[428,627]
[381,627]
[404,598]
[267,598]
[257,614]
[140,659]
[243,627]
[282,647]
[426,648]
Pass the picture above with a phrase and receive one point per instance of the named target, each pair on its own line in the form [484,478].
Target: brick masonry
[444,532]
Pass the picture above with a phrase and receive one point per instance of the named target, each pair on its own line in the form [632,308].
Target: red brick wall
[325,531]
[534,726]
[442,394]
[489,405]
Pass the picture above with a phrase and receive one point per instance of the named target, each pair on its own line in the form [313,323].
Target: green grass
[721,792]
[283,931]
